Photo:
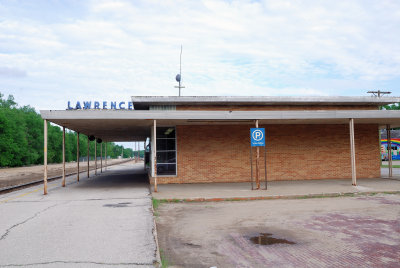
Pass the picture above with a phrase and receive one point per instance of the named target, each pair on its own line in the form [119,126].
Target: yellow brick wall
[294,152]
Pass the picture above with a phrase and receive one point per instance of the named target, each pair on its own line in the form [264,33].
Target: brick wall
[294,152]
[273,107]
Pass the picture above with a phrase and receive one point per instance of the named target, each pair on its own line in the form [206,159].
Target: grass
[391,193]
[394,166]
[164,260]
[156,203]
[234,199]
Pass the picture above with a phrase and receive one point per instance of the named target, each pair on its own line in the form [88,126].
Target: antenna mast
[179,76]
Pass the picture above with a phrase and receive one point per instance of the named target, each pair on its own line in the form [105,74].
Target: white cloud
[115,49]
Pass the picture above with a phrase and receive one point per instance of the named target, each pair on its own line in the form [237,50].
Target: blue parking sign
[257,137]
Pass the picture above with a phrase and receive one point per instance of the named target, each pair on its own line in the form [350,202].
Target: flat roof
[131,125]
[145,101]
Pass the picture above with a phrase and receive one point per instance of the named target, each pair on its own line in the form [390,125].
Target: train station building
[207,139]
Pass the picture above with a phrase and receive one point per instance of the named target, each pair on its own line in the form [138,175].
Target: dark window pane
[165,144]
[166,169]
[165,132]
[166,157]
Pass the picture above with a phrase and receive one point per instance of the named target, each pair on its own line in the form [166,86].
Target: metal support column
[77,156]
[154,150]
[144,155]
[105,168]
[95,157]
[353,153]
[45,158]
[88,158]
[63,152]
[389,149]
[135,151]
[101,157]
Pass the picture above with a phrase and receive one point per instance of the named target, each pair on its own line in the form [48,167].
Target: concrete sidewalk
[102,221]
[385,172]
[276,189]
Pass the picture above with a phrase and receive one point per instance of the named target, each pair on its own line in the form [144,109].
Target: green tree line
[21,139]
[395,106]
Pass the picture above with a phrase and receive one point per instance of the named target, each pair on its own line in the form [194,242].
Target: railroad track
[38,182]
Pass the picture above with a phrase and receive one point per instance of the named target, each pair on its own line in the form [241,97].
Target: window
[166,151]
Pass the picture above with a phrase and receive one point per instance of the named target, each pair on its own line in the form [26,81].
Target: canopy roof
[131,125]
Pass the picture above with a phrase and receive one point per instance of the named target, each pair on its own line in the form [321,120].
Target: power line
[379,93]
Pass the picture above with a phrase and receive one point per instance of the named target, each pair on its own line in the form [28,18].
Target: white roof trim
[262,100]
[219,115]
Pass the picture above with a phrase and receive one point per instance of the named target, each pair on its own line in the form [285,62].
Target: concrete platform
[102,221]
[276,189]
[385,172]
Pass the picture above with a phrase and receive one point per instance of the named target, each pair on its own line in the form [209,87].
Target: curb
[158,254]
[274,197]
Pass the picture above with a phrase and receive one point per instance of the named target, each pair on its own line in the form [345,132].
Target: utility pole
[379,93]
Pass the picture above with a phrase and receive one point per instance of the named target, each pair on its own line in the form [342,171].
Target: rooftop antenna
[379,93]
[178,77]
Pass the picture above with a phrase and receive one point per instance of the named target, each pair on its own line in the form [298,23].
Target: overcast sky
[55,51]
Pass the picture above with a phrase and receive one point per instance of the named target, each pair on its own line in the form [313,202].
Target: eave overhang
[126,125]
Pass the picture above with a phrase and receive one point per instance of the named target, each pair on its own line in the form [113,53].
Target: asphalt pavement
[102,221]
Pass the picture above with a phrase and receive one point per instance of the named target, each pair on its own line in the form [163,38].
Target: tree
[394,106]
[21,138]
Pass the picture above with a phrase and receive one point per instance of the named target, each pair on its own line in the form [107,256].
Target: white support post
[353,153]
[101,158]
[144,155]
[88,157]
[137,152]
[63,152]
[95,157]
[389,149]
[154,154]
[105,156]
[45,158]
[77,156]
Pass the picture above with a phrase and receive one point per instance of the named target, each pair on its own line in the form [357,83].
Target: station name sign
[101,105]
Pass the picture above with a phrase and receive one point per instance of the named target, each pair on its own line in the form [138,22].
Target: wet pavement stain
[118,205]
[267,239]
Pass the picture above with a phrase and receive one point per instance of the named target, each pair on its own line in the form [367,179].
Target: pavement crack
[25,221]
[79,200]
[78,262]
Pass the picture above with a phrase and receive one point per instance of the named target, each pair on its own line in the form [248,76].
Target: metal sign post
[251,166]
[257,139]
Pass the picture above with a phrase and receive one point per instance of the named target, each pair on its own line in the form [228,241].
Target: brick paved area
[329,232]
